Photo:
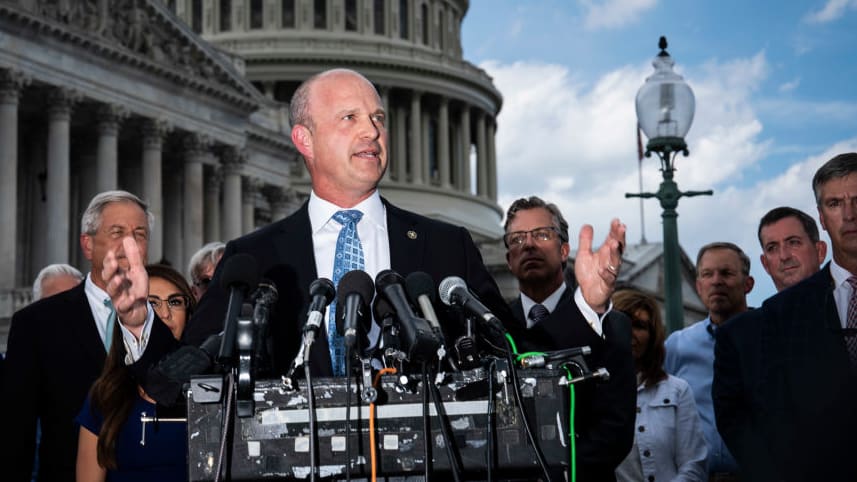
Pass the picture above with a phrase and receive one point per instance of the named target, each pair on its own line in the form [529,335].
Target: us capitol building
[185,103]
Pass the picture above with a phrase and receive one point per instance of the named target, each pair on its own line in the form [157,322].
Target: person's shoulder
[59,302]
[295,221]
[687,333]
[410,217]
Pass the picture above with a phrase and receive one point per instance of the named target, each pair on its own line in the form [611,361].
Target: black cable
[228,418]
[427,438]
[516,390]
[490,422]
[446,431]
[313,432]
[348,414]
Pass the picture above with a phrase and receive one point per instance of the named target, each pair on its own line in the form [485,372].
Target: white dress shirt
[594,319]
[372,230]
[841,291]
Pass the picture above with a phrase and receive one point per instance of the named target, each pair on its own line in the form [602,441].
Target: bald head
[299,108]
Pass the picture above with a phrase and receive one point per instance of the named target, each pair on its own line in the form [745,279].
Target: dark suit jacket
[784,398]
[54,354]
[284,252]
[604,416]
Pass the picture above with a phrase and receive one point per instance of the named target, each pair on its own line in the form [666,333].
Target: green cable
[512,343]
[571,442]
[529,353]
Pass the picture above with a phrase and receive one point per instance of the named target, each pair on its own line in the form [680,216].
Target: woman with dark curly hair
[668,443]
[110,446]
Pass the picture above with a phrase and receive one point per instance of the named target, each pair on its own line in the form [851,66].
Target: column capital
[109,117]
[250,188]
[233,160]
[61,101]
[278,195]
[154,132]
[196,146]
[12,82]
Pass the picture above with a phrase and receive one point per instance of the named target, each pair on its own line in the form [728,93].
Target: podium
[274,443]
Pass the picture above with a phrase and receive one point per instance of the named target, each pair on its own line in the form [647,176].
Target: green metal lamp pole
[665,106]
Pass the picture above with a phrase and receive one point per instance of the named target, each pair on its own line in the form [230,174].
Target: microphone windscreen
[322,287]
[447,285]
[240,270]
[420,283]
[386,278]
[382,309]
[355,282]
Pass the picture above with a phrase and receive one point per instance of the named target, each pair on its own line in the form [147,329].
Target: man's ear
[302,139]
[564,249]
[764,261]
[86,246]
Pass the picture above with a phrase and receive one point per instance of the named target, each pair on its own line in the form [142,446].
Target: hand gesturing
[128,288]
[597,271]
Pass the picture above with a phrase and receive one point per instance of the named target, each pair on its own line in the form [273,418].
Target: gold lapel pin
[412,234]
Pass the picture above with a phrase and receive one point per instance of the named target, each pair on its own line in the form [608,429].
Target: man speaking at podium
[339,127]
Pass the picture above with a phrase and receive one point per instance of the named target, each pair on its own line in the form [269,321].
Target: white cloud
[832,10]
[789,86]
[613,13]
[575,145]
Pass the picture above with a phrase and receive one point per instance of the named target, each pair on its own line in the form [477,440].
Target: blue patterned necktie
[108,329]
[349,256]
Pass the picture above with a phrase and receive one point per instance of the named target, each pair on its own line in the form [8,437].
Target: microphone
[453,291]
[265,296]
[240,272]
[417,339]
[321,292]
[352,301]
[386,317]
[420,287]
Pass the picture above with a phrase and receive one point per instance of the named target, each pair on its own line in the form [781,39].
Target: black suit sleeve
[20,399]
[734,353]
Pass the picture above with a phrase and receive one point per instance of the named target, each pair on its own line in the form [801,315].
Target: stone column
[250,188]
[415,156]
[401,144]
[212,204]
[58,188]
[196,150]
[466,141]
[492,160]
[154,133]
[481,157]
[425,141]
[280,198]
[233,166]
[173,218]
[443,157]
[385,101]
[11,84]
[109,117]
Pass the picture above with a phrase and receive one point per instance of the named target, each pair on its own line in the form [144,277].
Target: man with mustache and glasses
[785,375]
[722,282]
[791,248]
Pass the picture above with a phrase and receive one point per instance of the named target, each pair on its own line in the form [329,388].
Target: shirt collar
[550,302]
[96,297]
[320,210]
[839,274]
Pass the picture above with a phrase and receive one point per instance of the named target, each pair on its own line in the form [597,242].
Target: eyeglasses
[202,283]
[518,238]
[174,302]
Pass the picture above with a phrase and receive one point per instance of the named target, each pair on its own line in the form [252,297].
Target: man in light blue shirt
[722,281]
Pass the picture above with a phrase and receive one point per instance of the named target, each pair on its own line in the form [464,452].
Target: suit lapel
[407,240]
[293,245]
[85,333]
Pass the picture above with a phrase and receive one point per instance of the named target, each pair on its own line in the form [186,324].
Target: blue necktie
[108,329]
[349,256]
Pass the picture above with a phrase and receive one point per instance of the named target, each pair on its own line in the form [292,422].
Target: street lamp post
[665,107]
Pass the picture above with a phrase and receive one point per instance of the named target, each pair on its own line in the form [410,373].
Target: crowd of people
[745,394]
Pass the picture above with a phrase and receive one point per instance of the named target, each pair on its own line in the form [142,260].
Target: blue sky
[776,97]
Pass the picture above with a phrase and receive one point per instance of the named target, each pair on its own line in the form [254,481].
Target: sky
[775,90]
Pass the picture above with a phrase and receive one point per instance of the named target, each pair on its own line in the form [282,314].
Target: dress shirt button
[666,400]
[638,410]
[651,478]
[641,428]
[646,453]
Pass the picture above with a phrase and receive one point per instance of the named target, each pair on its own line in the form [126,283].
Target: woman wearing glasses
[110,446]
[668,440]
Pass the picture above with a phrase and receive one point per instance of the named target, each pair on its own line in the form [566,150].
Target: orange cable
[372,447]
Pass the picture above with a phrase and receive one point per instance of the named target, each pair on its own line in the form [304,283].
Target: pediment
[142,33]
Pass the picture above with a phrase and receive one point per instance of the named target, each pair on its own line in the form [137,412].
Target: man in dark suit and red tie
[339,127]
[785,374]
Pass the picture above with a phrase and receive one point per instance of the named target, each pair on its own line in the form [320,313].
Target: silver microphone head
[444,290]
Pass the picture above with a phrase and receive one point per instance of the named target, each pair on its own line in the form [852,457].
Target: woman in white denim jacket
[668,441]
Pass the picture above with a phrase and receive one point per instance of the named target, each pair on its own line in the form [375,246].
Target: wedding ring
[612,269]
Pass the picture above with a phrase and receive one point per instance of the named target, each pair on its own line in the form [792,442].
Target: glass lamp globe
[665,103]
